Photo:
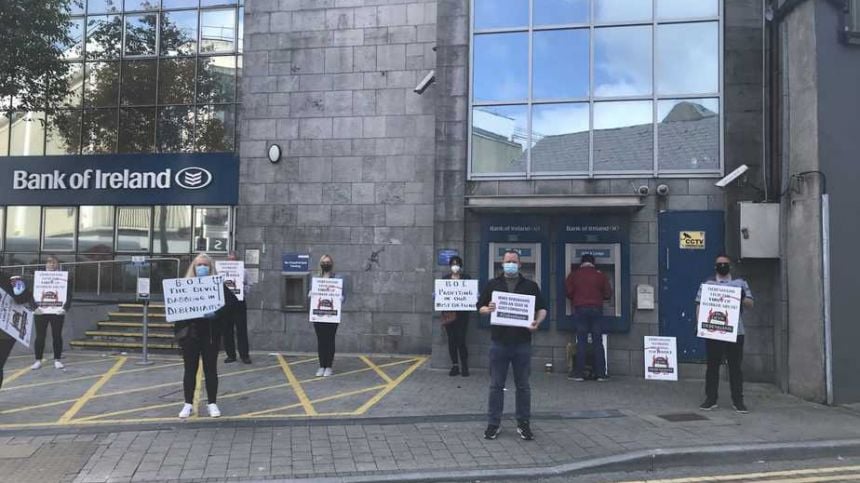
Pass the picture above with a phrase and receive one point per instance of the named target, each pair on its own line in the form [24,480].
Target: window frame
[43,231]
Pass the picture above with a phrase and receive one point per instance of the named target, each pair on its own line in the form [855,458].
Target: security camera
[662,190]
[425,82]
[643,190]
[732,176]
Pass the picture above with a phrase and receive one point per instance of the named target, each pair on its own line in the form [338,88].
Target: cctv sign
[153,179]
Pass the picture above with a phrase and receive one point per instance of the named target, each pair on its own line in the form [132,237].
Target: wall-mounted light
[274,153]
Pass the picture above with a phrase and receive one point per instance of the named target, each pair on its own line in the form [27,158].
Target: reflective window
[59,232]
[136,130]
[688,134]
[140,34]
[104,6]
[500,68]
[211,229]
[216,79]
[75,78]
[171,232]
[5,126]
[76,34]
[560,64]
[95,229]
[132,5]
[499,139]
[22,228]
[104,36]
[688,58]
[166,4]
[98,135]
[606,11]
[176,81]
[138,82]
[623,136]
[558,12]
[216,127]
[28,134]
[679,9]
[175,129]
[560,137]
[179,32]
[132,229]
[64,132]
[622,61]
[493,14]
[209,3]
[101,88]
[217,31]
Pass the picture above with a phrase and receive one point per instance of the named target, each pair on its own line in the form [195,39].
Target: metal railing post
[145,361]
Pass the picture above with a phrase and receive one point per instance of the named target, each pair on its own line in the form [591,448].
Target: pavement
[380,418]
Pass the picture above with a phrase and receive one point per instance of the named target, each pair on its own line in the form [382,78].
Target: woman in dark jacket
[198,339]
[22,295]
[455,324]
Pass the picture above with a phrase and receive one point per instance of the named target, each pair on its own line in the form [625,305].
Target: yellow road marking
[390,387]
[376,368]
[323,399]
[65,418]
[80,378]
[16,375]
[198,382]
[297,387]
[758,475]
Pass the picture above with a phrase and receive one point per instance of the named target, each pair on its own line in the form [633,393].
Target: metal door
[689,242]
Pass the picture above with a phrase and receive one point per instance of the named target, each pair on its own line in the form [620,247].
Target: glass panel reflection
[22,228]
[176,81]
[140,34]
[136,5]
[688,58]
[560,64]
[59,233]
[104,36]
[99,131]
[175,129]
[217,31]
[499,139]
[501,67]
[103,6]
[75,78]
[216,126]
[5,125]
[558,12]
[137,130]
[132,229]
[165,4]
[493,14]
[211,229]
[138,82]
[28,134]
[95,229]
[76,34]
[675,9]
[171,232]
[64,132]
[688,134]
[101,88]
[623,136]
[560,137]
[623,10]
[216,79]
[622,61]
[179,33]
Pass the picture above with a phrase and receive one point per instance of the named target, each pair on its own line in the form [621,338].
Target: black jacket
[504,334]
[204,327]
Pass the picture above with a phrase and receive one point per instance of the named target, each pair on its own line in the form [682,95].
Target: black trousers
[56,322]
[716,351]
[237,322]
[194,349]
[457,342]
[6,344]
[325,342]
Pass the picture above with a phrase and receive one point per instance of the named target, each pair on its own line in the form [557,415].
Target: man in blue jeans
[510,346]
[587,288]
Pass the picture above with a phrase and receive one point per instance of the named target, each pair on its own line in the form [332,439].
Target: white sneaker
[36,365]
[214,412]
[321,372]
[186,411]
[327,372]
[58,364]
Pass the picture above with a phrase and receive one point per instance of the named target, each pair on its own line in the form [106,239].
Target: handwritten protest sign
[661,358]
[719,312]
[456,295]
[51,290]
[192,298]
[16,320]
[234,275]
[513,309]
[326,295]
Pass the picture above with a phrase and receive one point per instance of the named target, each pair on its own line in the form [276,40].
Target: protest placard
[326,296]
[15,320]
[661,358]
[456,295]
[234,276]
[719,312]
[513,309]
[50,290]
[192,298]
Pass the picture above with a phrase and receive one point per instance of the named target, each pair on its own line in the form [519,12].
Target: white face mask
[455,268]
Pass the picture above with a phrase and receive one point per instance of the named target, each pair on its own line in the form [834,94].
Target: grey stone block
[338,59]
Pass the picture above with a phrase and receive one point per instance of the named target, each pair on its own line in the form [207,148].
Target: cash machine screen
[607,257]
[529,259]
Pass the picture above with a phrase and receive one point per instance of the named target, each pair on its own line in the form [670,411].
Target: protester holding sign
[716,350]
[21,295]
[456,323]
[53,297]
[511,346]
[326,331]
[237,322]
[199,337]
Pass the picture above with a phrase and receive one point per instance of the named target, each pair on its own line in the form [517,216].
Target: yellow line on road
[16,375]
[376,368]
[390,387]
[758,475]
[320,400]
[80,378]
[297,387]
[39,406]
[65,418]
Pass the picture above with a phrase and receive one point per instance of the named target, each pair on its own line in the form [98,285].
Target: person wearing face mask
[198,339]
[238,323]
[717,350]
[326,331]
[56,321]
[455,324]
[511,346]
[21,295]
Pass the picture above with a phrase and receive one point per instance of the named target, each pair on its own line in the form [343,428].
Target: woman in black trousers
[56,321]
[21,295]
[326,331]
[198,339]
[455,324]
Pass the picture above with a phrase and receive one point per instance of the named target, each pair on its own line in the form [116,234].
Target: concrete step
[135,316]
[153,308]
[109,345]
[113,335]
[113,324]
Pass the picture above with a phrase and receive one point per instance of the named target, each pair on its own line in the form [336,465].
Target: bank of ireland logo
[193,178]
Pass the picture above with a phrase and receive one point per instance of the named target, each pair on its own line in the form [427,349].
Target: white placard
[234,276]
[16,320]
[661,358]
[326,296]
[50,290]
[143,288]
[456,295]
[513,309]
[719,311]
[192,298]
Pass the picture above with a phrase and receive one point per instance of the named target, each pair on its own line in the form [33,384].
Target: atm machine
[607,257]
[530,259]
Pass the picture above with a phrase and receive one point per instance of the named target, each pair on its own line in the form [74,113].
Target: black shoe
[465,371]
[708,405]
[575,377]
[455,370]
[492,432]
[229,360]
[740,407]
[246,360]
[525,431]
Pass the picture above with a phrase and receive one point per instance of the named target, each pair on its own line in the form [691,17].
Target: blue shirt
[732,282]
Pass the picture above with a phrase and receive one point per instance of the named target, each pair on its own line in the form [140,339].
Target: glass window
[560,64]
[688,134]
[558,12]
[217,31]
[138,82]
[99,131]
[22,228]
[4,133]
[622,61]
[207,3]
[77,8]
[136,130]
[211,229]
[623,136]
[499,139]
[137,5]
[241,30]
[75,78]
[104,6]
[175,132]
[59,232]
[179,33]
[606,11]
[493,14]
[500,71]
[64,132]
[165,4]
[688,58]
[560,137]
[104,36]
[76,34]
[140,34]
[215,128]
[132,229]
[216,79]
[28,134]
[95,229]
[675,9]
[102,84]
[171,232]
[176,81]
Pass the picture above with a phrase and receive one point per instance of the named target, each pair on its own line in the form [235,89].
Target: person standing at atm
[510,346]
[587,288]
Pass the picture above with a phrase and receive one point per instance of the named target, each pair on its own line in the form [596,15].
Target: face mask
[511,268]
[723,268]
[455,268]
[202,270]
[18,288]
[326,267]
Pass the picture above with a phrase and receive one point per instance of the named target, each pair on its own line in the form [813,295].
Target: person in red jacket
[587,288]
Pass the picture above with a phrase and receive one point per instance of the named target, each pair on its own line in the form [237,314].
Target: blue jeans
[520,357]
[588,321]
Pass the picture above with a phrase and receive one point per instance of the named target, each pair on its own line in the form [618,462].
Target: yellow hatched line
[296,405]
[198,381]
[65,418]
[758,475]
[376,369]
[16,375]
[390,386]
[297,387]
[80,378]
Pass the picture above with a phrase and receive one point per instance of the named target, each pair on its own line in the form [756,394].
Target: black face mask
[723,268]
[326,267]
